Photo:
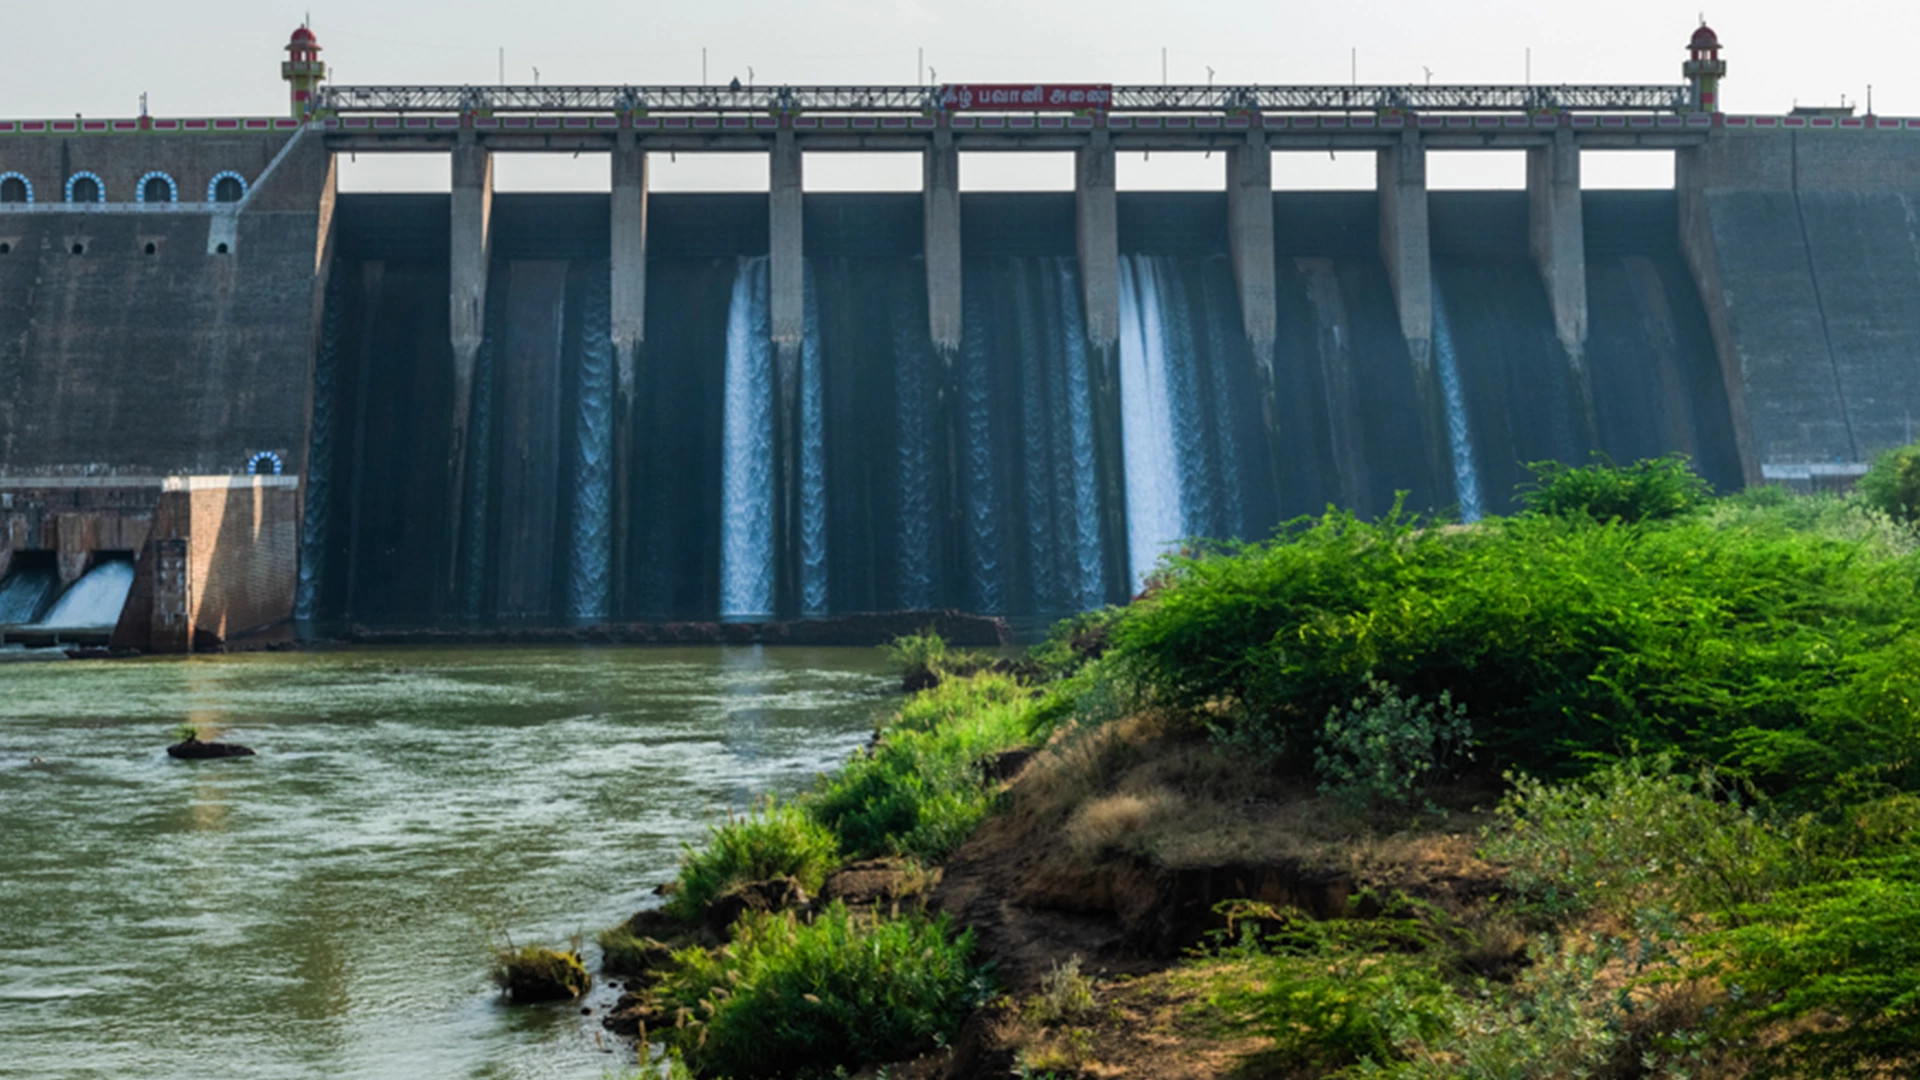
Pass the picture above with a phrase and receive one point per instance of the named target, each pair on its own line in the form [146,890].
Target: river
[325,909]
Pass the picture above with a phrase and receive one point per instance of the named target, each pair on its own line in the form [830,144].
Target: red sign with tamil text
[1021,97]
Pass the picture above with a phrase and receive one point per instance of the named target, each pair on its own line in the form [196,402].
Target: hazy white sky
[220,57]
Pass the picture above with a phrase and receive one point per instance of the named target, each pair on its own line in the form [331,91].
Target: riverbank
[1623,786]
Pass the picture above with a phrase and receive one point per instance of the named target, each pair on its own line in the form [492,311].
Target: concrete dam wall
[1025,474]
[878,438]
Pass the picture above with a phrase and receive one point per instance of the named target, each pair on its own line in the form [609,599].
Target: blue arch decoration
[22,177]
[140,190]
[99,184]
[267,458]
[213,185]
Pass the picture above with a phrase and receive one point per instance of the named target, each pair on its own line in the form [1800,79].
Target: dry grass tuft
[1119,822]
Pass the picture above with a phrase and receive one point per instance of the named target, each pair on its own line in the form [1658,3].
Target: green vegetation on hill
[1700,718]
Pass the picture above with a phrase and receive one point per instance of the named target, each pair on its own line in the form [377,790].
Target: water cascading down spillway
[590,581]
[94,602]
[747,444]
[813,464]
[1466,474]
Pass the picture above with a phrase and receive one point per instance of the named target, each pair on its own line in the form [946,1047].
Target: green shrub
[1847,951]
[533,973]
[1892,484]
[922,790]
[788,997]
[925,651]
[1650,490]
[1385,748]
[623,952]
[1632,835]
[1076,641]
[1565,639]
[1065,997]
[773,840]
[1338,993]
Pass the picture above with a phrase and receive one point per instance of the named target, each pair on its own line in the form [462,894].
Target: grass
[922,790]
[533,973]
[804,998]
[771,840]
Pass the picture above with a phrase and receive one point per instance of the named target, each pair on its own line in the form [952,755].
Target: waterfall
[313,526]
[914,461]
[1036,428]
[813,464]
[1090,578]
[590,574]
[1466,475]
[479,469]
[95,600]
[982,501]
[1155,517]
[746,464]
[24,593]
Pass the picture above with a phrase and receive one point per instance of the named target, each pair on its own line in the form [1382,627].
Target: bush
[1384,748]
[1650,490]
[1892,484]
[1338,993]
[922,790]
[535,973]
[771,841]
[1065,997]
[1565,639]
[788,997]
[1636,834]
[1846,951]
[1076,641]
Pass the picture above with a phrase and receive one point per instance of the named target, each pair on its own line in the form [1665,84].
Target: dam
[279,400]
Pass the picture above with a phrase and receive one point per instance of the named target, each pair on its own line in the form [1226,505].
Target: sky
[221,57]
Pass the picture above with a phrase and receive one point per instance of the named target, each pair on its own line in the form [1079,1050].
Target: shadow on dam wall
[1027,474]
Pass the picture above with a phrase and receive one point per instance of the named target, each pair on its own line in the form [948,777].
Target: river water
[326,908]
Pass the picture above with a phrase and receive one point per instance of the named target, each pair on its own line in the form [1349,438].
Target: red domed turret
[1704,69]
[303,69]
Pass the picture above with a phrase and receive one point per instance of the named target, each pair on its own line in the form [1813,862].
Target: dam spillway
[275,398]
[1025,473]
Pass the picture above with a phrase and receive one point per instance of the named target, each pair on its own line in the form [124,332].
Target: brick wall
[243,553]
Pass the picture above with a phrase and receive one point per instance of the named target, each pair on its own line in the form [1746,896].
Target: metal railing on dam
[729,99]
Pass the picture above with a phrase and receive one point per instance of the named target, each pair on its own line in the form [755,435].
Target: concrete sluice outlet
[410,410]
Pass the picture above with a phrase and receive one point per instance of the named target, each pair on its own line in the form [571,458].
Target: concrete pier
[787,304]
[942,216]
[1099,239]
[471,249]
[1404,243]
[1406,248]
[787,311]
[1250,236]
[628,315]
[1556,233]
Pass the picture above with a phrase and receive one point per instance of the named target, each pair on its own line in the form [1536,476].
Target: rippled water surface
[325,909]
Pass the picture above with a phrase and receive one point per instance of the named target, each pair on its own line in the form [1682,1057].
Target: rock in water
[195,750]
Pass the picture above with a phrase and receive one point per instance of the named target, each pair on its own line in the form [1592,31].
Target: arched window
[227,187]
[15,188]
[85,187]
[157,187]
